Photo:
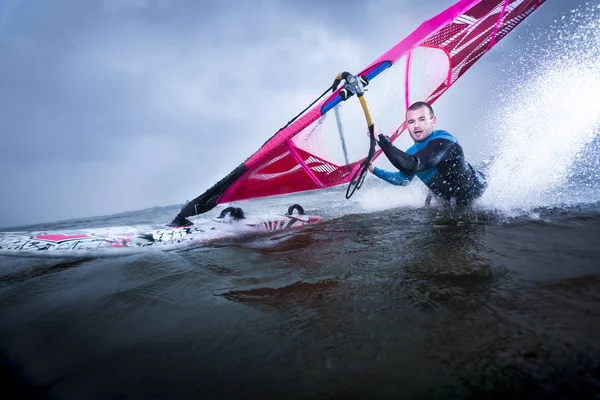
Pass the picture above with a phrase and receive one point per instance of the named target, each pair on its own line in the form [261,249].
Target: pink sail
[421,67]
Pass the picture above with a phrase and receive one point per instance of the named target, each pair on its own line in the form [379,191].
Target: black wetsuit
[440,163]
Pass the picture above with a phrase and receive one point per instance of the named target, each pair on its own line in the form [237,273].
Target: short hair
[421,104]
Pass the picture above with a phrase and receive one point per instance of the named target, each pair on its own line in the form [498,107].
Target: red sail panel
[288,170]
[475,32]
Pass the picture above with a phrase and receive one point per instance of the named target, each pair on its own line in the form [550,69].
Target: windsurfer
[436,158]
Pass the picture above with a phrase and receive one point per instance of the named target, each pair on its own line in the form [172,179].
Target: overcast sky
[117,105]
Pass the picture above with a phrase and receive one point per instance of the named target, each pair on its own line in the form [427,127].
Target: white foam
[545,122]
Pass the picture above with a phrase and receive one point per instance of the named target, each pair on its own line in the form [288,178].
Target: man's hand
[371,167]
[383,140]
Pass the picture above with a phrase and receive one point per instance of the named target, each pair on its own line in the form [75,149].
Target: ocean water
[386,298]
[407,302]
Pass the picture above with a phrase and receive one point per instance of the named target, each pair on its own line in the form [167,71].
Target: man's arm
[426,158]
[395,178]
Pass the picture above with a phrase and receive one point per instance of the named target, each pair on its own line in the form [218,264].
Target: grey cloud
[124,104]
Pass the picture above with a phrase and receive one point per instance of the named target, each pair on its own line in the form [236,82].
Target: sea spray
[548,118]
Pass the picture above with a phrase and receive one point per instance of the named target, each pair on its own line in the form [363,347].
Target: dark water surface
[388,305]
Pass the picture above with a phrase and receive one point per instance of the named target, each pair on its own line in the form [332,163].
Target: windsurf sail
[306,154]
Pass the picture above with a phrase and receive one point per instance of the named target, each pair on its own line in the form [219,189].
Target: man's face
[420,123]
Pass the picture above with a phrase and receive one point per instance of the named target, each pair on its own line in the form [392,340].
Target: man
[436,158]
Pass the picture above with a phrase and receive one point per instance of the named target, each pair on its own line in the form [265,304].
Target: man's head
[420,121]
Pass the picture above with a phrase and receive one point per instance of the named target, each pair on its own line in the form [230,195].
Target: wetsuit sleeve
[426,158]
[395,178]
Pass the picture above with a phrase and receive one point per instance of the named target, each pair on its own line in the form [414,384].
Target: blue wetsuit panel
[439,162]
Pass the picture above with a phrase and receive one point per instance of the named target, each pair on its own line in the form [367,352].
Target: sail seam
[310,173]
[500,17]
